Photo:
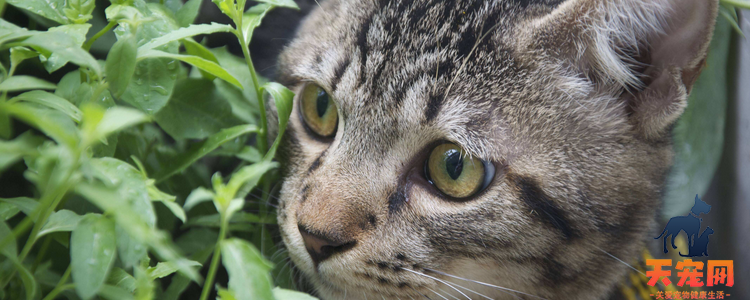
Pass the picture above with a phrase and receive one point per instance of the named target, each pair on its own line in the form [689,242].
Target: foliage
[113,136]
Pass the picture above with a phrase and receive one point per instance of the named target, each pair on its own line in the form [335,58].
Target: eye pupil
[318,110]
[322,103]
[457,175]
[453,163]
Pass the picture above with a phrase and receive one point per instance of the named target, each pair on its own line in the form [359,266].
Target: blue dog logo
[691,225]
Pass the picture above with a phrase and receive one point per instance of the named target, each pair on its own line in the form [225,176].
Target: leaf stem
[58,290]
[61,286]
[50,200]
[42,251]
[90,42]
[262,135]
[57,195]
[214,260]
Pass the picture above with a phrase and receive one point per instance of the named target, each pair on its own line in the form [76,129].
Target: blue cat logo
[691,225]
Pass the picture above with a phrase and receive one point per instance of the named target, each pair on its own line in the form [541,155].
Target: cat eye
[455,173]
[318,110]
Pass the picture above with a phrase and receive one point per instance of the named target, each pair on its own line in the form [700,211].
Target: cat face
[471,147]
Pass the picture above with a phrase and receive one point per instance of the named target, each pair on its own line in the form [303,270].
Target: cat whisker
[436,293]
[260,202]
[454,297]
[627,264]
[620,260]
[325,12]
[439,280]
[485,284]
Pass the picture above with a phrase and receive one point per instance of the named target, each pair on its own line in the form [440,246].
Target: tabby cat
[504,149]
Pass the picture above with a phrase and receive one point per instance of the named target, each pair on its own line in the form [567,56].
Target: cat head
[707,231]
[438,146]
[700,207]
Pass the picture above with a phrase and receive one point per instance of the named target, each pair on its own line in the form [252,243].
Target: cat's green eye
[318,110]
[455,173]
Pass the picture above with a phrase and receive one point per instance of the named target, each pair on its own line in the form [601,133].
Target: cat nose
[322,246]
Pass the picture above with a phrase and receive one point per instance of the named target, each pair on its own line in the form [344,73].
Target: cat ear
[652,49]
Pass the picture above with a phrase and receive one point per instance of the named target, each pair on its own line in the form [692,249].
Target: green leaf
[280,3]
[11,32]
[79,11]
[176,210]
[195,111]
[27,205]
[119,118]
[187,13]
[249,154]
[29,283]
[110,201]
[77,32]
[8,211]
[228,7]
[225,295]
[198,62]
[92,253]
[283,294]
[154,79]
[144,285]
[50,9]
[80,93]
[120,12]
[10,249]
[53,123]
[183,33]
[237,218]
[699,133]
[12,151]
[6,27]
[197,196]
[24,83]
[120,65]
[164,269]
[195,49]
[65,47]
[122,279]
[244,180]
[111,292]
[283,98]
[252,19]
[132,187]
[52,101]
[249,272]
[62,220]
[183,160]
[19,54]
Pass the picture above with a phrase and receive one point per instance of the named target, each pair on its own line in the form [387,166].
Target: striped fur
[571,100]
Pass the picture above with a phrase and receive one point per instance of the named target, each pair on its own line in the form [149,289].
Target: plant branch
[90,42]
[214,260]
[262,135]
[61,286]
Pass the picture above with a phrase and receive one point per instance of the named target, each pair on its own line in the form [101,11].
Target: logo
[693,274]
[691,225]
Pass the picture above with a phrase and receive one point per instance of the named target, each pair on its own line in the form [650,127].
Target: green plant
[112,138]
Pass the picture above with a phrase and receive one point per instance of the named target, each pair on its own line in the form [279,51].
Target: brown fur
[572,101]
